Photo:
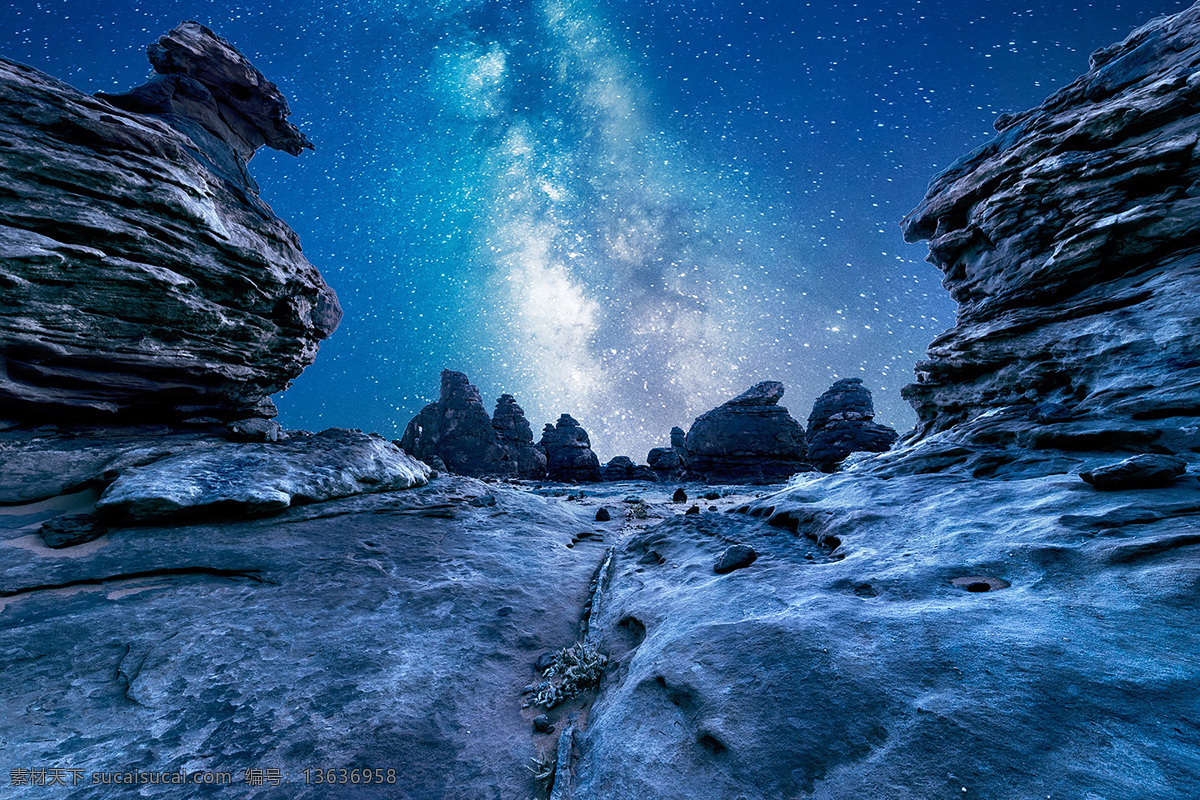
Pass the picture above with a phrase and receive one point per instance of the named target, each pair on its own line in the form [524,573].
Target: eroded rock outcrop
[142,277]
[568,450]
[458,430]
[749,439]
[670,463]
[516,438]
[208,91]
[259,479]
[622,468]
[1069,243]
[843,422]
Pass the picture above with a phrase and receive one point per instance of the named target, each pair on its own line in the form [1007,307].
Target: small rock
[70,530]
[545,660]
[602,515]
[712,508]
[1147,471]
[692,510]
[680,496]
[483,501]
[735,556]
[711,494]
[541,724]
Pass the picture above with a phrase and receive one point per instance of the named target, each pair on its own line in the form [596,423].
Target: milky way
[628,211]
[609,275]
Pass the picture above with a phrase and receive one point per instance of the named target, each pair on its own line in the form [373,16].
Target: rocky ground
[904,637]
[394,630]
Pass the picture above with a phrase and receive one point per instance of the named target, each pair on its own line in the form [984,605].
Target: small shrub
[573,670]
[543,771]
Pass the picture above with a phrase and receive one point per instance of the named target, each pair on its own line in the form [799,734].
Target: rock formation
[258,479]
[670,463]
[208,91]
[516,438]
[622,468]
[842,422]
[457,429]
[749,439]
[143,278]
[1009,632]
[569,456]
[1068,242]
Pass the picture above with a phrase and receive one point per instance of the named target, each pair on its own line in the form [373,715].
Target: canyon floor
[921,636]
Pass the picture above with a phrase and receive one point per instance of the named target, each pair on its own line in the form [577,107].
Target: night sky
[628,210]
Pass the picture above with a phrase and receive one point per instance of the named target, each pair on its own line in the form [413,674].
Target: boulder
[516,438]
[43,463]
[749,439]
[240,479]
[457,430]
[1068,243]
[843,422]
[144,278]
[736,556]
[568,450]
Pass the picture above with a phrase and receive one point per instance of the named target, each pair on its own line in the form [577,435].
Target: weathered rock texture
[204,81]
[457,429]
[670,463]
[1071,243]
[389,631]
[516,438]
[258,479]
[140,273]
[1148,471]
[568,450]
[40,464]
[851,660]
[750,439]
[843,422]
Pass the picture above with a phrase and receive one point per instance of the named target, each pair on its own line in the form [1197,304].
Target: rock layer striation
[141,275]
[1071,243]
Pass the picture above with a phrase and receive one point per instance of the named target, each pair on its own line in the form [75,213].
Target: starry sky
[627,210]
